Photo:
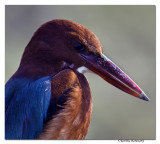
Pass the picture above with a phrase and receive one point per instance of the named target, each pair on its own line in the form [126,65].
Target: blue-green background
[127,34]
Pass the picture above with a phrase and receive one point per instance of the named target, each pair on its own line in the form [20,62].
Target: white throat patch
[83,69]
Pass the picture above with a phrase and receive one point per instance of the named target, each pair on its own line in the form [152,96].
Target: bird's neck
[38,70]
[71,122]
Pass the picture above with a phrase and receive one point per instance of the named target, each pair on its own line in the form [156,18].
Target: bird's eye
[79,47]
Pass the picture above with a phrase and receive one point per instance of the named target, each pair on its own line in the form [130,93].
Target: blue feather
[26,105]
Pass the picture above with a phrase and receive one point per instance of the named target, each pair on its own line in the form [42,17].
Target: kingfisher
[49,97]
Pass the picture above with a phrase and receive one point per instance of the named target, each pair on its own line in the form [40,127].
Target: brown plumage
[72,121]
[63,50]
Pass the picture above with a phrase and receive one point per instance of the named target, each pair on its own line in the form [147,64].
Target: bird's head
[65,44]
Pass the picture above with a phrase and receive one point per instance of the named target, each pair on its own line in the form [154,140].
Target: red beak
[106,69]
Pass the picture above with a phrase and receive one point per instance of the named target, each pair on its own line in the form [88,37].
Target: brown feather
[71,122]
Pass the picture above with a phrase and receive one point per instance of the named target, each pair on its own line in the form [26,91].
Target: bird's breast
[73,99]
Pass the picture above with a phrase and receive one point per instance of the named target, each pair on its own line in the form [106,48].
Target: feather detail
[27,102]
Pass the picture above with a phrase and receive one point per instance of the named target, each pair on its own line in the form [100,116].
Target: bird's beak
[106,69]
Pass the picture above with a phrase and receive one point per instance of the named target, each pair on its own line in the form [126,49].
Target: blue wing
[26,105]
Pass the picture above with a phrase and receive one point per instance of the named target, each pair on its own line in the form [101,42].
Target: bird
[49,97]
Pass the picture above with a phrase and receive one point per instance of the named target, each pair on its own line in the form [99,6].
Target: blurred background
[127,34]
